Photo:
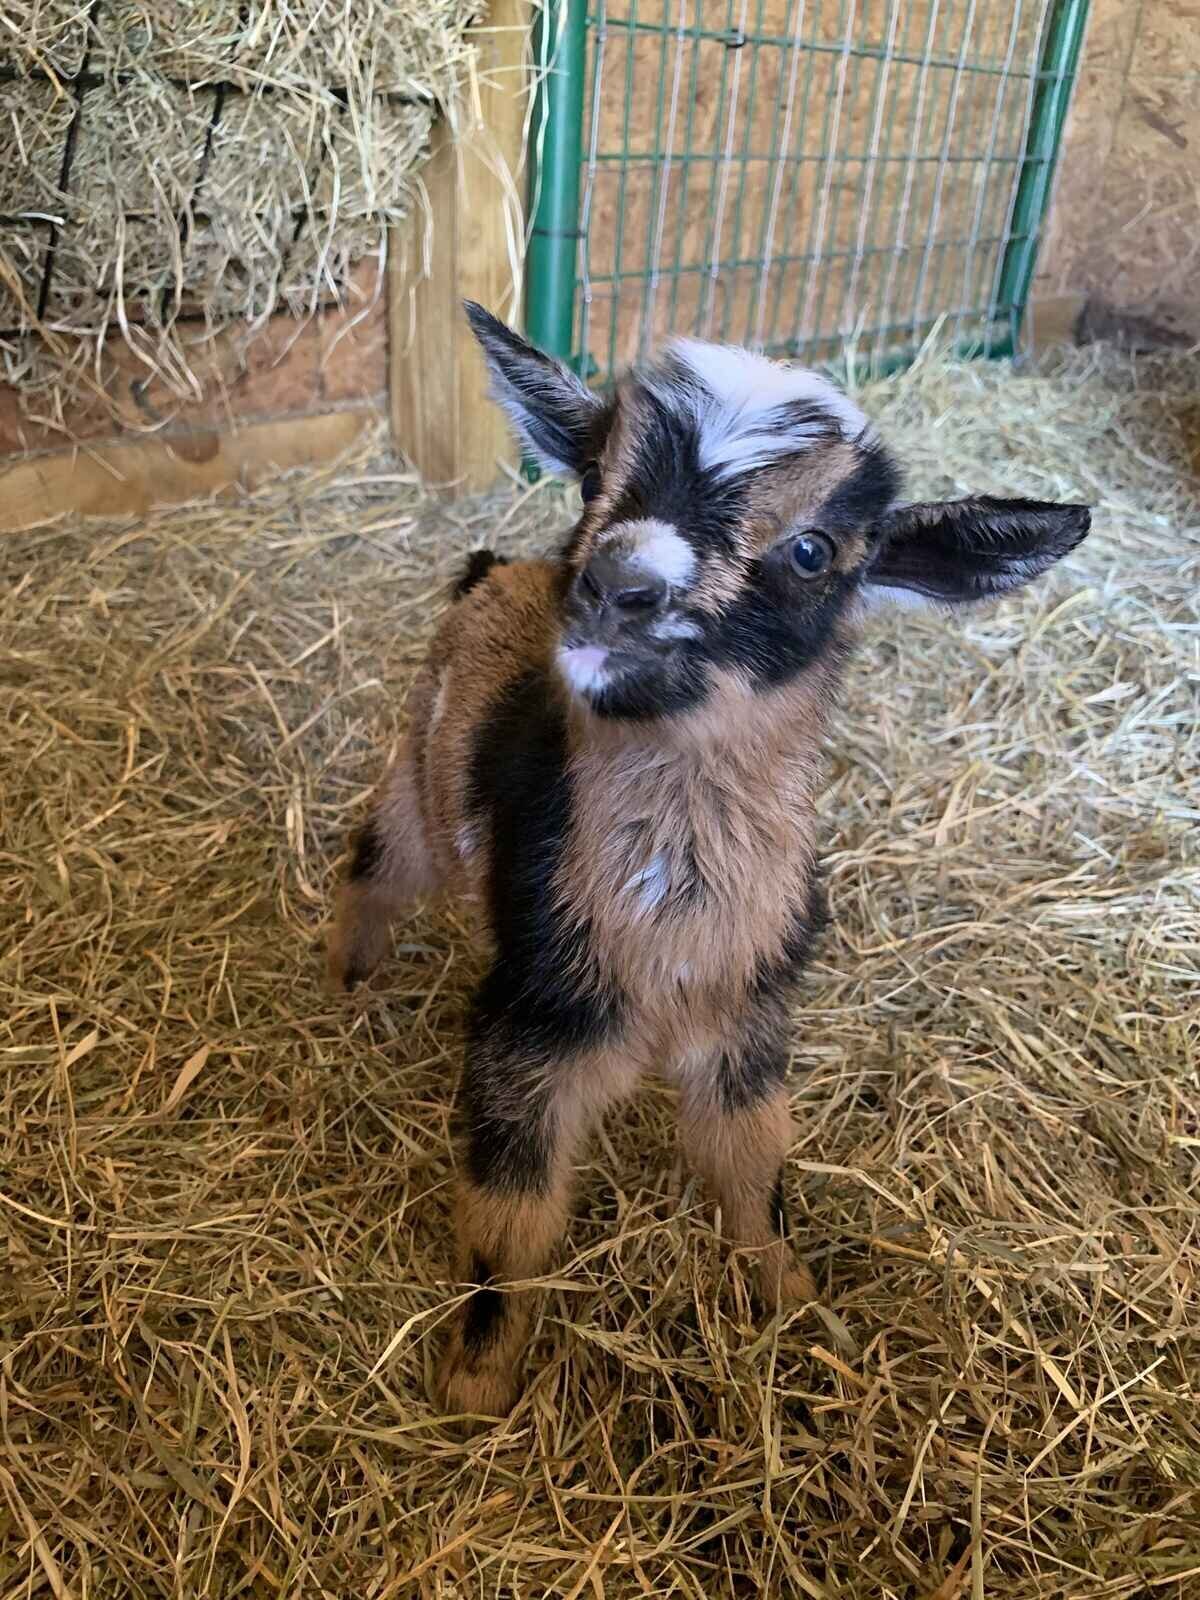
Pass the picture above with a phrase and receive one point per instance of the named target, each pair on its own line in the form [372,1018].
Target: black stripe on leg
[485,1310]
[779,1216]
[368,853]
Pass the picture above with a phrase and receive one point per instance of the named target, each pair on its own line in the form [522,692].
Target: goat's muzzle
[614,597]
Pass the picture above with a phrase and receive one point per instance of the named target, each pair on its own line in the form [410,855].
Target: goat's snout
[619,589]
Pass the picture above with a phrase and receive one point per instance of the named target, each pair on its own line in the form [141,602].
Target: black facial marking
[862,497]
[543,1000]
[675,686]
[767,638]
[666,481]
[485,1310]
[368,853]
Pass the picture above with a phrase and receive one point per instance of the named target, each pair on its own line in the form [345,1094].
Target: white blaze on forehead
[740,392]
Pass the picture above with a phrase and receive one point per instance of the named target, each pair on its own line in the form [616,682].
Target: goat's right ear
[553,412]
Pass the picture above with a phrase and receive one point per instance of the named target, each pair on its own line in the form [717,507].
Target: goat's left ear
[956,551]
[554,413]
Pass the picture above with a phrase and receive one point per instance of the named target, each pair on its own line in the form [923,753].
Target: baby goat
[619,748]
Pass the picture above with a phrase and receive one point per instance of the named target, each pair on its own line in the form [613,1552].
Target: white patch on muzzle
[662,550]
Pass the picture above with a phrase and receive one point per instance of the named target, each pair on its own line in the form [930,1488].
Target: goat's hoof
[475,1390]
[787,1288]
[346,967]
[797,1287]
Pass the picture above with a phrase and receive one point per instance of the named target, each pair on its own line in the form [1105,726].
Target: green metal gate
[824,180]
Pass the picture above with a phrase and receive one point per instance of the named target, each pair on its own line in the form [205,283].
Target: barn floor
[224,1197]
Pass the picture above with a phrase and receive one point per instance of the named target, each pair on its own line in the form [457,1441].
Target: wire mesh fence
[805,176]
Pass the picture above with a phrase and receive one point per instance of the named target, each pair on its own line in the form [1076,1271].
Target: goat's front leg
[391,868]
[527,1112]
[736,1127]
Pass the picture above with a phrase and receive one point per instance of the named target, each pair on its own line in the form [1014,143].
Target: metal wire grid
[48,230]
[795,175]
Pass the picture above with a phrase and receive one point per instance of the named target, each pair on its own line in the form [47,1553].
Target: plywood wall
[1124,233]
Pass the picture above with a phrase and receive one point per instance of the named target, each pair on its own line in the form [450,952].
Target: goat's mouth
[589,669]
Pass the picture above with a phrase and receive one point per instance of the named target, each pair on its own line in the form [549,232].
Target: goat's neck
[757,732]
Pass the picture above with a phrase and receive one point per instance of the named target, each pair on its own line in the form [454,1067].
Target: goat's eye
[812,554]
[589,483]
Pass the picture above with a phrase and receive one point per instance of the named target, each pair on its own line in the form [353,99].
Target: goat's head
[735,510]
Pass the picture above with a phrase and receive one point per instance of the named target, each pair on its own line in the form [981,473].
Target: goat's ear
[553,412]
[956,551]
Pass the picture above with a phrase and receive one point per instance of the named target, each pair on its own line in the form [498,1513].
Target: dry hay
[227,161]
[226,1197]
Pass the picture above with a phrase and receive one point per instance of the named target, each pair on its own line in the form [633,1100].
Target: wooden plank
[117,480]
[465,243]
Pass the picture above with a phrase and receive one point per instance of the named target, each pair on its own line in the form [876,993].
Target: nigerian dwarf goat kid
[619,748]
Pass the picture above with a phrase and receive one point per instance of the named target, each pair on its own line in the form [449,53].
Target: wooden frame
[466,243]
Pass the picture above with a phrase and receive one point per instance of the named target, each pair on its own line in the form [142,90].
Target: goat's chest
[689,872]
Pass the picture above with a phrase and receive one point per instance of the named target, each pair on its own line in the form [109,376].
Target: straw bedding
[224,1197]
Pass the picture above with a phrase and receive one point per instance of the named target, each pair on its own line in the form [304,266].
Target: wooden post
[466,244]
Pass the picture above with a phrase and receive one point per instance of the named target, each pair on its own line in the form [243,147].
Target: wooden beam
[464,243]
[115,480]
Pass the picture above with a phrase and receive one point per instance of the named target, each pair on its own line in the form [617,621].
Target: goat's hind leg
[391,868]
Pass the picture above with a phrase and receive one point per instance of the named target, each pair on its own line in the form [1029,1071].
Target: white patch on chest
[466,842]
[651,885]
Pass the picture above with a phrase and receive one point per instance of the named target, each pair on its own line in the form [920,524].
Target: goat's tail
[479,564]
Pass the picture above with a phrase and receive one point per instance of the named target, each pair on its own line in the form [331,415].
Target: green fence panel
[827,179]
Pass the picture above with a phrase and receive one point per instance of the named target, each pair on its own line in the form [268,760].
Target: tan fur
[364,913]
[515,1234]
[691,802]
[739,1154]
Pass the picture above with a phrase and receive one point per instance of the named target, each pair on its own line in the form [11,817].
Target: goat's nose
[610,580]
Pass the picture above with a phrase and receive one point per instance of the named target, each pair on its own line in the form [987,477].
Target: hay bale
[138,154]
[226,1199]
[34,118]
[187,200]
[314,155]
[372,48]
[44,36]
